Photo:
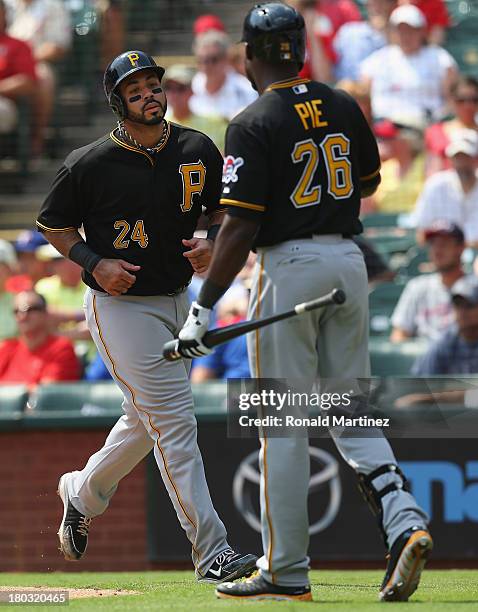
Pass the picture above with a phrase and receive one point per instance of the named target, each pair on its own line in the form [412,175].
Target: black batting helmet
[121,67]
[275,32]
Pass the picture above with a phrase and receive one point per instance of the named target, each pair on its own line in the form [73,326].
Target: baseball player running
[297,162]
[139,192]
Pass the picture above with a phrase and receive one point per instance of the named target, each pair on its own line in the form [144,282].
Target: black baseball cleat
[406,561]
[257,588]
[73,532]
[230,565]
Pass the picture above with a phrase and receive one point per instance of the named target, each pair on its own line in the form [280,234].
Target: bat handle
[171,350]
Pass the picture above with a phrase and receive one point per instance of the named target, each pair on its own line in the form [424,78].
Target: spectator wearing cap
[457,351]
[8,260]
[436,14]
[217,89]
[464,104]
[17,74]
[36,356]
[400,144]
[236,53]
[64,291]
[424,309]
[30,268]
[453,194]
[206,23]
[356,40]
[409,77]
[45,26]
[177,82]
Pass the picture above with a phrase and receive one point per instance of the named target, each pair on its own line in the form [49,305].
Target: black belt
[310,236]
[177,291]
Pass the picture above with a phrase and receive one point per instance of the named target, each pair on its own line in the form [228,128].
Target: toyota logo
[324,476]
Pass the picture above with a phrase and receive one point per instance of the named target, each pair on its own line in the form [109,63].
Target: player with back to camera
[298,160]
[139,192]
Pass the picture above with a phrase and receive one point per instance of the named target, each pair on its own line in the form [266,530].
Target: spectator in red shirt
[36,356]
[339,12]
[17,74]
[322,20]
[437,18]
[320,55]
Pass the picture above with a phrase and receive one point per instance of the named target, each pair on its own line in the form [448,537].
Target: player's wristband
[213,231]
[81,254]
[210,294]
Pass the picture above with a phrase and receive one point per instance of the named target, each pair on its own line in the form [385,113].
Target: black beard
[155,119]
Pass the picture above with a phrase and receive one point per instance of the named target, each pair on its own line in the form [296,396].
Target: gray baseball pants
[329,343]
[129,332]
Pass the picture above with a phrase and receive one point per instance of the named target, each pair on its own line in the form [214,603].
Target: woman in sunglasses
[464,98]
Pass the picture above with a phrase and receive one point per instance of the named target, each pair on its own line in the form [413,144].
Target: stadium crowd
[388,54]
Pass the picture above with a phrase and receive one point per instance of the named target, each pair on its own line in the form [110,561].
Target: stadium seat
[461,43]
[89,398]
[388,243]
[210,399]
[413,265]
[389,359]
[380,220]
[105,398]
[79,68]
[382,301]
[16,145]
[13,398]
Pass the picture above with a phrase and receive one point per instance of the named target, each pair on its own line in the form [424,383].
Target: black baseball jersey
[297,158]
[136,206]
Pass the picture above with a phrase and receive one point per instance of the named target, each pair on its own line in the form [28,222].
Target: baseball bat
[172,349]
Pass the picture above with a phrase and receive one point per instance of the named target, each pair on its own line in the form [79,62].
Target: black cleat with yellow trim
[257,588]
[230,565]
[73,531]
[406,561]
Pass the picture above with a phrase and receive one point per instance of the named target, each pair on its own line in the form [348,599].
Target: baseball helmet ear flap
[117,105]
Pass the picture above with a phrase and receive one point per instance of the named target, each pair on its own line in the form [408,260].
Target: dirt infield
[73,593]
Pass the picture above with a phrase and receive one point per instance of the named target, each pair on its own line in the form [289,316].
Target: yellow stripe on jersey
[287,83]
[241,204]
[55,229]
[370,176]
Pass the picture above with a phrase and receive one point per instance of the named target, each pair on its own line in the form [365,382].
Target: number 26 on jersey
[335,149]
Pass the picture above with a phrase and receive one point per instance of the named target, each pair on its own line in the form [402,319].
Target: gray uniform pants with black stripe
[129,332]
[331,343]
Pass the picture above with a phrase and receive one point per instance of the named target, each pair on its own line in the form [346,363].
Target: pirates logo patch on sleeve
[230,168]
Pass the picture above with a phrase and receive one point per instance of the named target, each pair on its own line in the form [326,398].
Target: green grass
[334,591]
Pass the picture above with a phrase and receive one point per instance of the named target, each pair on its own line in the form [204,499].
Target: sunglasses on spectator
[178,88]
[27,309]
[463,100]
[210,59]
